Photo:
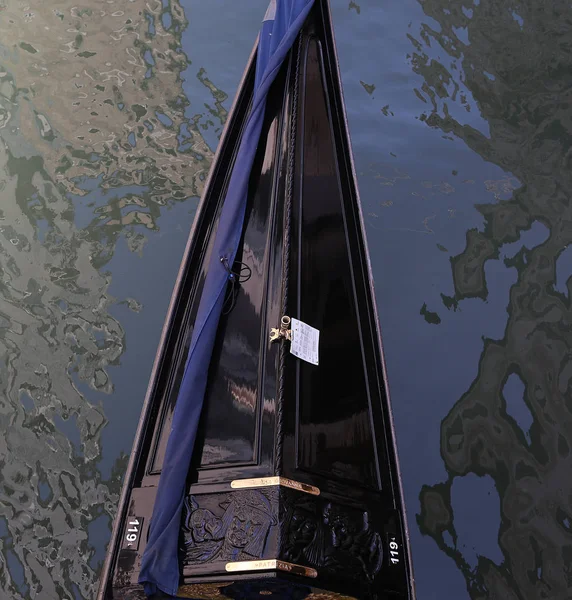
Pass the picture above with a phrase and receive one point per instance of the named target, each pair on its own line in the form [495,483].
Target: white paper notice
[305,340]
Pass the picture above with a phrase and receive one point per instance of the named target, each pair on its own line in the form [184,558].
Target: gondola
[293,490]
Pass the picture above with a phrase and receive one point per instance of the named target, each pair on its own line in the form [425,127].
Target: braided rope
[279,437]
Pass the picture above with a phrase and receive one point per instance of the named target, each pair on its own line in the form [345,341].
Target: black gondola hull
[294,490]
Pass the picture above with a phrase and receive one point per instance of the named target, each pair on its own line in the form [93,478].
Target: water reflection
[96,140]
[497,76]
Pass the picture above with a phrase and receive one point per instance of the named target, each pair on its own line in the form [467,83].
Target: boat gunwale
[343,118]
[339,108]
[146,409]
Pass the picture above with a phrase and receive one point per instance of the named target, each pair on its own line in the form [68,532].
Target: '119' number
[132,533]
[393,551]
[133,530]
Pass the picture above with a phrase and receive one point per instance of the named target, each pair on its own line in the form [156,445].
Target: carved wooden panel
[244,525]
[228,527]
[330,537]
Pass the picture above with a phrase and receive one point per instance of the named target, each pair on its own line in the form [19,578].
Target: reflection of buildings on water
[92,113]
[55,334]
[98,91]
[517,69]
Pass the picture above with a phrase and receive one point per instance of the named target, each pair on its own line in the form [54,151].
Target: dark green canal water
[461,121]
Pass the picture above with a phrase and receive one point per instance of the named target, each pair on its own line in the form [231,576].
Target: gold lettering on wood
[238,484]
[271,565]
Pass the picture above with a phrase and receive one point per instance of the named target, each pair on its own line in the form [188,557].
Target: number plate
[394,548]
[132,533]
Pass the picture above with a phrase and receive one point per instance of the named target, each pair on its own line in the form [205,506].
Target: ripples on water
[460,117]
[463,135]
[97,141]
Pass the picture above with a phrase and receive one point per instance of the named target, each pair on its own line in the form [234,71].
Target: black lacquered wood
[329,425]
[334,434]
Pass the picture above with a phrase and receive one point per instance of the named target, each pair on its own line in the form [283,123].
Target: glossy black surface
[236,403]
[243,362]
[192,276]
[267,414]
[334,434]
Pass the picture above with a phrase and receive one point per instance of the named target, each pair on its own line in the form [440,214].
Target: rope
[279,438]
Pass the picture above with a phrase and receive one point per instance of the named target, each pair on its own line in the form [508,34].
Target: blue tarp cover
[160,562]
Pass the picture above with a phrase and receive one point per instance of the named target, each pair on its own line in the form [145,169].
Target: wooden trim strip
[241,484]
[271,565]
